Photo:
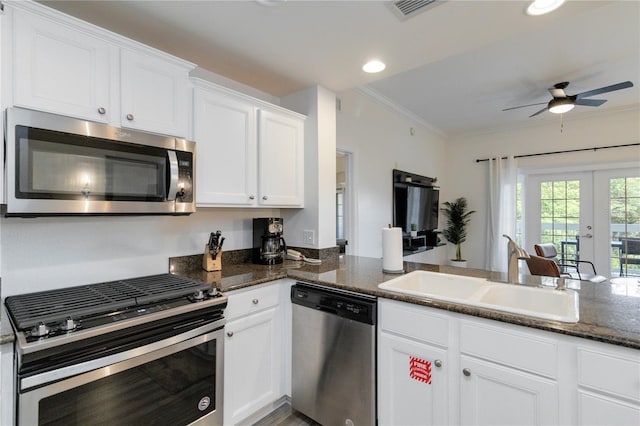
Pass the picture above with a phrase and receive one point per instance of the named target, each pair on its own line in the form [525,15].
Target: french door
[559,210]
[587,216]
[618,213]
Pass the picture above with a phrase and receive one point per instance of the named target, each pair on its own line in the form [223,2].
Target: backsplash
[233,257]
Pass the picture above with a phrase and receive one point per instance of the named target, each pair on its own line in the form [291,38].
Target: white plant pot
[414,233]
[458,263]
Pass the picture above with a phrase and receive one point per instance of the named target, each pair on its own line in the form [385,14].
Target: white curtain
[501,214]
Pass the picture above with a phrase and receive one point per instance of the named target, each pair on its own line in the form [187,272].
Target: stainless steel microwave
[57,165]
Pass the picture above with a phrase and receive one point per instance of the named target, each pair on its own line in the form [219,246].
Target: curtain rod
[595,148]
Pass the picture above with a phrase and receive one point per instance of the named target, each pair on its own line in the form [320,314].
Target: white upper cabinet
[154,94]
[224,128]
[250,153]
[280,159]
[64,66]
[58,70]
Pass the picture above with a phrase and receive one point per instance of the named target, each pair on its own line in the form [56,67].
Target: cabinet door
[496,395]
[224,130]
[251,364]
[600,409]
[155,94]
[280,160]
[59,69]
[403,399]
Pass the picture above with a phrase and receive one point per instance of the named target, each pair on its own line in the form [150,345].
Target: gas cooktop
[62,311]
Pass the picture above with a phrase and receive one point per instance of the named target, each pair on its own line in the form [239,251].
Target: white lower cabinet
[406,397]
[494,373]
[255,368]
[251,357]
[492,394]
[608,386]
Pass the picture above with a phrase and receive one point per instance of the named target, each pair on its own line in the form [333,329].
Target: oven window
[172,390]
[53,165]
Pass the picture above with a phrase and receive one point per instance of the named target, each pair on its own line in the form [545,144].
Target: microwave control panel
[185,177]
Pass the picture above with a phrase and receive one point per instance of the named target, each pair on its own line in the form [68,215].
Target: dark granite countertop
[608,313]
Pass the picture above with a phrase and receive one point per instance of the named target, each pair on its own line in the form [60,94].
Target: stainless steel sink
[544,303]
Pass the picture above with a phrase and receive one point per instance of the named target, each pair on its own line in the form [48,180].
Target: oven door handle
[206,332]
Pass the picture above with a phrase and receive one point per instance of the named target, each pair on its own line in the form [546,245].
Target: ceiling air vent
[405,9]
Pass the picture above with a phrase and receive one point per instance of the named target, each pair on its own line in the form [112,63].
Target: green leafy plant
[458,217]
[414,227]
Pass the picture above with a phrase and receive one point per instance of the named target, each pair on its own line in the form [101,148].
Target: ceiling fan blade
[539,112]
[605,89]
[590,102]
[524,106]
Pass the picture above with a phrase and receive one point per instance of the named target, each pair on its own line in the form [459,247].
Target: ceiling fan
[562,102]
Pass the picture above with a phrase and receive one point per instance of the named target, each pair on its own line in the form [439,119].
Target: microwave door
[76,175]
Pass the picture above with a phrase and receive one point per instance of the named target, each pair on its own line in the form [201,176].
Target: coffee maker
[269,246]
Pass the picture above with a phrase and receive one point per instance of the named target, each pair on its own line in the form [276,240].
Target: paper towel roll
[392,250]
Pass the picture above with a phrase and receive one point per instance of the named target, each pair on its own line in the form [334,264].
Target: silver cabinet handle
[255,301]
[130,117]
[102,110]
[586,236]
[437,363]
[230,333]
[264,197]
[466,372]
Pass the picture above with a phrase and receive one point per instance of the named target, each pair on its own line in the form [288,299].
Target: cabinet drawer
[503,345]
[244,302]
[414,321]
[612,372]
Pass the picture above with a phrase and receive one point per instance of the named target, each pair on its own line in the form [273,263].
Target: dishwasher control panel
[362,309]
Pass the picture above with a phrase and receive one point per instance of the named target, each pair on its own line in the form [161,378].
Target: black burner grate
[54,306]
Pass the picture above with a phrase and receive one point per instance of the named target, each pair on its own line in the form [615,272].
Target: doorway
[343,201]
[593,215]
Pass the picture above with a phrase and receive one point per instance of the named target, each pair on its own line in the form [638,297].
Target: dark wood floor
[285,416]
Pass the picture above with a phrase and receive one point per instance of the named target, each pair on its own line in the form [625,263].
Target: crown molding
[377,96]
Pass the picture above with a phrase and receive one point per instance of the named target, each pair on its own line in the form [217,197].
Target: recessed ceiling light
[540,7]
[373,66]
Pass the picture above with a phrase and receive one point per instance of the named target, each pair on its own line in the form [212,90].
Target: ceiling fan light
[373,66]
[560,106]
[540,7]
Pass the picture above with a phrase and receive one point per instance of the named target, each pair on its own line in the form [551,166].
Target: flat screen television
[415,204]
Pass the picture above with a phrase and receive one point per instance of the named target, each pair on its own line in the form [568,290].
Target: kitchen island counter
[609,313]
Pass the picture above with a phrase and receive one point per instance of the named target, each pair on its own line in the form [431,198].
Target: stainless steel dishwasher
[334,355]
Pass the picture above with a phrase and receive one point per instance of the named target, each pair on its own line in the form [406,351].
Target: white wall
[380,140]
[466,178]
[46,253]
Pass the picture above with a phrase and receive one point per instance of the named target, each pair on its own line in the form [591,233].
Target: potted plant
[458,217]
[414,230]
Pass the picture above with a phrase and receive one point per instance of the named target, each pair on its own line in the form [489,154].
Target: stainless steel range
[139,351]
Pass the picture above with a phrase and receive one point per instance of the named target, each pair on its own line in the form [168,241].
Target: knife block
[209,264]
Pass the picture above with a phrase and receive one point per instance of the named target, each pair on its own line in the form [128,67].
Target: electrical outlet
[308,236]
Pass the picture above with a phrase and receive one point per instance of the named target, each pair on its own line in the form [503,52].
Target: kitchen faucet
[515,253]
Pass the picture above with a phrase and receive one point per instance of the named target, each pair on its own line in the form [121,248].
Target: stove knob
[198,295]
[213,292]
[68,325]
[40,330]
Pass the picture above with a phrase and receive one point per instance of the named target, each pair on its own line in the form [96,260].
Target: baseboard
[265,411]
